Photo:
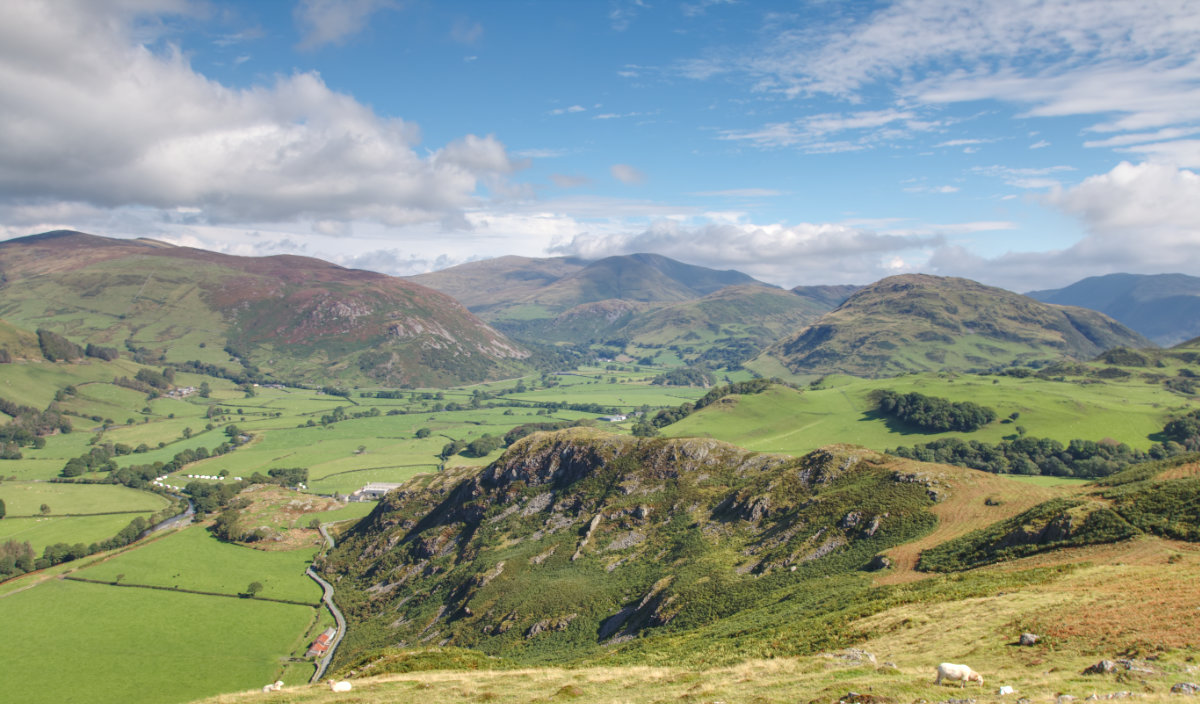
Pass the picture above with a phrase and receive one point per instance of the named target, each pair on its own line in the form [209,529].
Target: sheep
[342,686]
[273,687]
[963,673]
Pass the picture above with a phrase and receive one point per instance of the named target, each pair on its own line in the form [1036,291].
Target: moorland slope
[293,317]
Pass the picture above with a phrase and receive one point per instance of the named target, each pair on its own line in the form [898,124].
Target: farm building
[321,644]
[373,491]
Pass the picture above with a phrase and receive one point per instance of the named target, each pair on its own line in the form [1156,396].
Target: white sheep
[963,673]
[342,686]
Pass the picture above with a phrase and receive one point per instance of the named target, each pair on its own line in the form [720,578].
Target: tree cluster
[1045,456]
[56,348]
[668,416]
[931,413]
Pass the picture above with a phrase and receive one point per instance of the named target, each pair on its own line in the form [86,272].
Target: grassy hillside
[915,323]
[290,317]
[576,543]
[1131,600]
[839,409]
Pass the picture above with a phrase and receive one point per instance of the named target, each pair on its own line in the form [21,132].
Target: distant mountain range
[294,317]
[915,322]
[303,319]
[1163,307]
[644,302]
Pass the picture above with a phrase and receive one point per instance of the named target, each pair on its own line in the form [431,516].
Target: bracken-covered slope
[916,322]
[577,542]
[1163,307]
[295,317]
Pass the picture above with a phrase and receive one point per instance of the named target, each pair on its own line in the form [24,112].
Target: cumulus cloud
[111,123]
[1138,218]
[324,22]
[789,255]
[627,174]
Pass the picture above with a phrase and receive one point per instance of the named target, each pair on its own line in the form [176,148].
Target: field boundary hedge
[189,591]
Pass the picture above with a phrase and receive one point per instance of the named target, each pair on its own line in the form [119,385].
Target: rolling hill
[294,318]
[916,322]
[1163,307]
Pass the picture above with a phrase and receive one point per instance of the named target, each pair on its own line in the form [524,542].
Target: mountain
[295,318]
[730,325]
[829,296]
[917,322]
[489,283]
[1163,307]
[521,288]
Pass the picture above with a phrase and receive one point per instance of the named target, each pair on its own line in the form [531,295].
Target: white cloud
[569,181]
[740,193]
[465,31]
[813,133]
[568,110]
[1133,66]
[1138,218]
[1028,178]
[324,22]
[111,123]
[788,255]
[627,174]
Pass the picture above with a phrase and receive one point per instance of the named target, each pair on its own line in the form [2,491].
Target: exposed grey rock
[1186,688]
[1101,668]
[854,655]
[1028,639]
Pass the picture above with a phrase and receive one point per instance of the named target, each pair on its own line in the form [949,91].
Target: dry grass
[965,509]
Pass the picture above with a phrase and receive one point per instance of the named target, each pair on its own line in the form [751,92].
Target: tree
[253,589]
[45,509]
[423,433]
[2,509]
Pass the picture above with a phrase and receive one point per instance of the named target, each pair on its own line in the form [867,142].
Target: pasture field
[40,532]
[193,559]
[71,641]
[795,422]
[26,498]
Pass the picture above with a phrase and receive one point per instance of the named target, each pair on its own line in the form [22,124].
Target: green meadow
[839,411]
[193,559]
[70,641]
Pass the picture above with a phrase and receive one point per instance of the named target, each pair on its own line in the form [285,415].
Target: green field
[75,642]
[838,411]
[40,532]
[26,498]
[193,559]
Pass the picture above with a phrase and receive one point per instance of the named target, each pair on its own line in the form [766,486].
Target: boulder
[1028,639]
[1186,688]
[1101,668]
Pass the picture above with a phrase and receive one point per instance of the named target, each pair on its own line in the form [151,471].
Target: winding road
[327,597]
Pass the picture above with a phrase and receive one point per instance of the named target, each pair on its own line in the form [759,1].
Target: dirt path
[964,509]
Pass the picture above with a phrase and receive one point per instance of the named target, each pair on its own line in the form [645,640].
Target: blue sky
[1023,143]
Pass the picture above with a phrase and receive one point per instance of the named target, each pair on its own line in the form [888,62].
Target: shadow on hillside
[894,425]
